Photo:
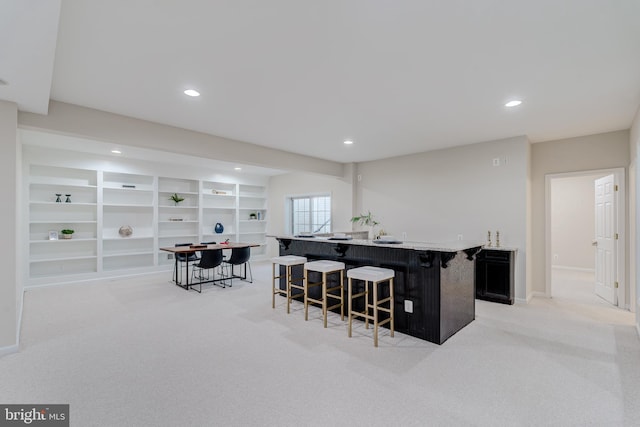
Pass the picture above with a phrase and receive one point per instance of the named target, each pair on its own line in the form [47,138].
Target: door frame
[621,221]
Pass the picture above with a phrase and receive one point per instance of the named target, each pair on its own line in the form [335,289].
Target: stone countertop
[454,246]
[500,248]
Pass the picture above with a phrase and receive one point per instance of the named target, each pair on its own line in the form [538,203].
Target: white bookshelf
[177,222]
[219,205]
[103,201]
[62,198]
[128,200]
[252,211]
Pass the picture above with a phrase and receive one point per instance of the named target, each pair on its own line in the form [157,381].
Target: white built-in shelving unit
[104,201]
[127,200]
[177,222]
[252,211]
[62,257]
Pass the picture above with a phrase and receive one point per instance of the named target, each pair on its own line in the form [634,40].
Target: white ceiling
[397,77]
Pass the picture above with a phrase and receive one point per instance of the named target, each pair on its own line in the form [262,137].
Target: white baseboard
[9,350]
[569,268]
[20,311]
[100,279]
[530,297]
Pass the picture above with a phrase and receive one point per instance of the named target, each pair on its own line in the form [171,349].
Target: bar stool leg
[324,298]
[341,295]
[287,279]
[350,311]
[375,314]
[392,307]
[273,285]
[306,293]
[367,304]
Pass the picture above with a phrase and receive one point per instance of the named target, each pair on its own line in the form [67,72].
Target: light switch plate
[408,306]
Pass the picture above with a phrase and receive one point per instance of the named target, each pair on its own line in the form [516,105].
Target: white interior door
[606,239]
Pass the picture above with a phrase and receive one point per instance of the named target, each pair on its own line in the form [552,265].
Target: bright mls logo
[34,415]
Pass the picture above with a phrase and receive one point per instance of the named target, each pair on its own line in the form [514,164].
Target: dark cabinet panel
[494,276]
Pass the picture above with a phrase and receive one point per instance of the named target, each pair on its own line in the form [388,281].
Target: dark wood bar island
[434,283]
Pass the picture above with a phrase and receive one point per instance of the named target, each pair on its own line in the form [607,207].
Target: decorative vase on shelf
[125,231]
[219,228]
[58,199]
[68,198]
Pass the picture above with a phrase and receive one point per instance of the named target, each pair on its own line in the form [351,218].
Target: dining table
[191,249]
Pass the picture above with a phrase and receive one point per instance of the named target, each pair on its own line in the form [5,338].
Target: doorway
[570,251]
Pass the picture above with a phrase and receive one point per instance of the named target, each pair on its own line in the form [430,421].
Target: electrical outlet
[496,161]
[408,306]
[460,237]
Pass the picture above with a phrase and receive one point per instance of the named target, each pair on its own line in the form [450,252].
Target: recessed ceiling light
[237,168]
[192,92]
[513,103]
[116,151]
[348,142]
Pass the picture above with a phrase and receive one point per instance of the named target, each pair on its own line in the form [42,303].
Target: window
[310,214]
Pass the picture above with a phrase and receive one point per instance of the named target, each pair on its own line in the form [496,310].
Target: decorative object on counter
[388,240]
[176,199]
[53,235]
[219,228]
[305,234]
[497,239]
[489,238]
[67,233]
[340,236]
[366,220]
[259,214]
[68,198]
[253,215]
[125,231]
[58,199]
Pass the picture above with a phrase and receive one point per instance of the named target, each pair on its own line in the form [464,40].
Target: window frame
[290,211]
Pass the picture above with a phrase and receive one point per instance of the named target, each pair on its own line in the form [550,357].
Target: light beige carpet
[143,352]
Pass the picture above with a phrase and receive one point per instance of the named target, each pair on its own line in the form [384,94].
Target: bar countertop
[454,246]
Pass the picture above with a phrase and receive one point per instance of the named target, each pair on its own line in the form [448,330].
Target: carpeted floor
[142,352]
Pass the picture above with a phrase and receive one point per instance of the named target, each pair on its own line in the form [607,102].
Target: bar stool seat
[371,276]
[288,261]
[325,267]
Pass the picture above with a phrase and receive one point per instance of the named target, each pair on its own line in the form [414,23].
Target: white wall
[586,153]
[10,287]
[635,201]
[573,222]
[296,184]
[73,120]
[438,195]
